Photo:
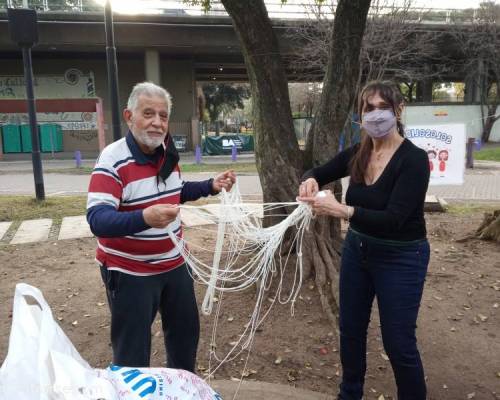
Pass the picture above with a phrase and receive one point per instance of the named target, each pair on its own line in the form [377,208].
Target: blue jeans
[395,273]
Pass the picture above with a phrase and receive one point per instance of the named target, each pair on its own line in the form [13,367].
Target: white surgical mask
[379,123]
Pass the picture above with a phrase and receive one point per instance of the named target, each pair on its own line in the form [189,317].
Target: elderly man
[133,195]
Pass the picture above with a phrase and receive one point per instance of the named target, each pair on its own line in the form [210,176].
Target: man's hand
[224,180]
[308,188]
[160,215]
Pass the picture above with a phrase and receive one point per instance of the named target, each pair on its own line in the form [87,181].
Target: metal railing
[292,9]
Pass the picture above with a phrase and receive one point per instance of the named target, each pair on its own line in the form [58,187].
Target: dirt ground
[458,329]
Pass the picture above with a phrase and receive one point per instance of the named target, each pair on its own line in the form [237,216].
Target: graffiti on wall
[72,84]
[69,121]
[86,136]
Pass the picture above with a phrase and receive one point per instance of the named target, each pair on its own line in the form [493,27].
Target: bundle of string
[253,255]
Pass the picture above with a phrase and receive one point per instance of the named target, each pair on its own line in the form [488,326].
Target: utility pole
[114,99]
[23,30]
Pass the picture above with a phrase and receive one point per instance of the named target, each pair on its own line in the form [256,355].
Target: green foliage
[490,154]
[205,4]
[222,96]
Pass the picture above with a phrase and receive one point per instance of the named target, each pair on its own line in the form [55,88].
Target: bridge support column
[178,77]
[152,66]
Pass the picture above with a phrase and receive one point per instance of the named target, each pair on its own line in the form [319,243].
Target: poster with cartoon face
[445,148]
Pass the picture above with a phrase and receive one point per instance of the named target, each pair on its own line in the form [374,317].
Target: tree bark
[339,91]
[280,163]
[489,122]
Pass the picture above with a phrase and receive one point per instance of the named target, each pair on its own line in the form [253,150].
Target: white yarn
[240,230]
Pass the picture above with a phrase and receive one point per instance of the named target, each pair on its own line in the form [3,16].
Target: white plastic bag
[43,364]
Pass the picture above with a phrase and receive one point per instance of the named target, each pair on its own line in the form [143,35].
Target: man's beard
[149,142]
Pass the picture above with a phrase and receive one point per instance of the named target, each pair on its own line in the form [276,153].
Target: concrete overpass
[176,51]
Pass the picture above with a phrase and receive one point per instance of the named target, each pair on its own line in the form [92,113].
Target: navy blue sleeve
[192,191]
[106,221]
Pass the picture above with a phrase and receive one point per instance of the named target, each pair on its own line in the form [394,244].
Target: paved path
[38,230]
[252,390]
[481,183]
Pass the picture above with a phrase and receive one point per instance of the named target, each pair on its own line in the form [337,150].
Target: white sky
[291,7]
[449,3]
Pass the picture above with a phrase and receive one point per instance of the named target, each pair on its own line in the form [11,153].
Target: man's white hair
[148,89]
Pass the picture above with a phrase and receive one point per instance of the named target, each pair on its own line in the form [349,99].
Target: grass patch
[237,167]
[469,208]
[69,171]
[18,208]
[491,154]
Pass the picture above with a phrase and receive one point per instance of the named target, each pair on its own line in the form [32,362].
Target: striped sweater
[123,183]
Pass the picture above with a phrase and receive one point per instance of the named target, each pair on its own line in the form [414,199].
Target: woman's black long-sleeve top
[392,207]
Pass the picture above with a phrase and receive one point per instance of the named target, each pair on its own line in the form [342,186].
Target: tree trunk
[279,160]
[217,127]
[489,122]
[278,157]
[339,90]
[490,227]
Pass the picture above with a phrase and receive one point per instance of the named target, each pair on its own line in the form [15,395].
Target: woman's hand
[308,188]
[326,204]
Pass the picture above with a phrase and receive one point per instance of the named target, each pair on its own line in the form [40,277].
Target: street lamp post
[114,98]
[23,30]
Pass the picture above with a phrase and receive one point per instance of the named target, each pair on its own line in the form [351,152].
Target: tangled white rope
[249,257]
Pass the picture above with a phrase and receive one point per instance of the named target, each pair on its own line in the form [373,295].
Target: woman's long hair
[391,94]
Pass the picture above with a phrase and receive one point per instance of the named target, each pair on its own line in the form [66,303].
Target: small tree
[223,97]
[304,97]
[479,40]
[396,45]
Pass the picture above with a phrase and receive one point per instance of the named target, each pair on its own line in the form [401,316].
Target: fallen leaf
[292,375]
[323,351]
[482,317]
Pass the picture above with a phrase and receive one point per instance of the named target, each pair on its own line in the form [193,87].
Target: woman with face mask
[385,252]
